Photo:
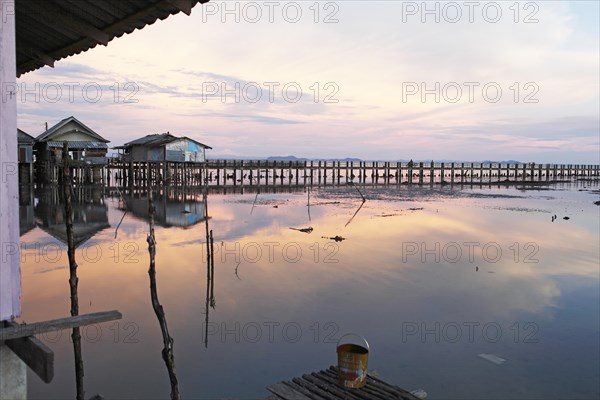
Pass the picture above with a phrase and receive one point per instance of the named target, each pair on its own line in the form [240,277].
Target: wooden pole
[67,186]
[167,352]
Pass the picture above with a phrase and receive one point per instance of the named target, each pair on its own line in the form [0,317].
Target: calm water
[432,278]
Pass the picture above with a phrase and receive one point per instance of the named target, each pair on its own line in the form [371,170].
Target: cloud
[363,62]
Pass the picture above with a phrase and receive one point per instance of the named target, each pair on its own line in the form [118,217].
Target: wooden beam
[284,391]
[34,353]
[25,330]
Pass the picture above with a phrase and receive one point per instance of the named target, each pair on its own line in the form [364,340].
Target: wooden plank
[286,392]
[10,266]
[324,385]
[24,330]
[34,353]
[376,384]
[335,387]
[314,391]
[332,388]
[307,391]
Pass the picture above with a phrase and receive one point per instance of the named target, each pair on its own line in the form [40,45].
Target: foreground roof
[49,30]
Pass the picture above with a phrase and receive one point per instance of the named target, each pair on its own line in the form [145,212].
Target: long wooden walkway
[277,172]
[323,385]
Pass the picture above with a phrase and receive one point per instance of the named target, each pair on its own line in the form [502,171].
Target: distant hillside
[286,158]
[502,162]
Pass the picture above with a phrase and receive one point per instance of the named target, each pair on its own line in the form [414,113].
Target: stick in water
[167,352]
[73,280]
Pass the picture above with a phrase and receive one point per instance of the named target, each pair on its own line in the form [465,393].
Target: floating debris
[415,208]
[305,230]
[419,393]
[492,358]
[336,238]
[387,215]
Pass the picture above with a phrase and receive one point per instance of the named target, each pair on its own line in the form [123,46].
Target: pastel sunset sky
[377,80]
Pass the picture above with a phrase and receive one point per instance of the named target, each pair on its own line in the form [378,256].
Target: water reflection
[90,214]
[174,207]
[167,351]
[210,268]
[26,214]
[286,295]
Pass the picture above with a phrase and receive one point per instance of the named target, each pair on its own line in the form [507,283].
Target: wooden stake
[67,186]
[167,352]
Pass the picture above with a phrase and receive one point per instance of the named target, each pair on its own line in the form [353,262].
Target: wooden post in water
[167,352]
[442,180]
[480,172]
[471,174]
[431,173]
[67,187]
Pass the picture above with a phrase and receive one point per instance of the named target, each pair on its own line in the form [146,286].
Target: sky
[376,80]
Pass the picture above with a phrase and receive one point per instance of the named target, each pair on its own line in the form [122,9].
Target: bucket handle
[354,335]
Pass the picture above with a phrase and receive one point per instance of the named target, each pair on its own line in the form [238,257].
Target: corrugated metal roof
[151,139]
[24,137]
[78,144]
[49,30]
[47,134]
[158,139]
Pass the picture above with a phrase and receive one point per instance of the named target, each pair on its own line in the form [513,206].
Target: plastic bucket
[353,359]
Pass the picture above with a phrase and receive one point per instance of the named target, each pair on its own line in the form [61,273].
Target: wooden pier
[323,385]
[265,173]
[317,173]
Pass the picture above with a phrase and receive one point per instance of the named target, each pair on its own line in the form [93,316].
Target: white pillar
[10,274]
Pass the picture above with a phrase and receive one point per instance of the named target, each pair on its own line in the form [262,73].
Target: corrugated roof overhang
[49,30]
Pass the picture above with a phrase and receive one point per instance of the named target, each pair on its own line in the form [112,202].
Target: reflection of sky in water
[427,311]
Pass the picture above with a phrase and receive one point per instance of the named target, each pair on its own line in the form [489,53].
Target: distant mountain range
[348,159]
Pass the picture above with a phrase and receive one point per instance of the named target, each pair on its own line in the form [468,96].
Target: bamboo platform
[323,385]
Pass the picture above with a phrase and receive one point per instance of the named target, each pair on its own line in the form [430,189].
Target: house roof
[151,139]
[158,139]
[49,30]
[77,144]
[24,137]
[47,136]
